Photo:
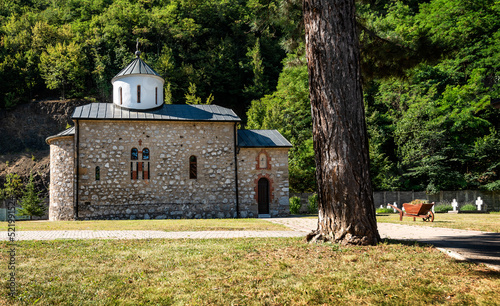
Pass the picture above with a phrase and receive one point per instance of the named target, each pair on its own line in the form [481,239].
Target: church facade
[140,158]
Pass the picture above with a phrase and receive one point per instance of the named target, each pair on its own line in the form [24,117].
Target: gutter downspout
[77,152]
[236,152]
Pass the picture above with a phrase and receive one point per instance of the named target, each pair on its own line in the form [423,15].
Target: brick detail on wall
[268,158]
[271,187]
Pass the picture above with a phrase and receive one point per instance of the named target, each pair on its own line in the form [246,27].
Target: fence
[491,199]
[3,212]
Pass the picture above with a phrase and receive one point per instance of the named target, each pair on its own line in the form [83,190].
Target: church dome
[138,86]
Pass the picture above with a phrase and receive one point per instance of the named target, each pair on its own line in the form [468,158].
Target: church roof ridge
[262,139]
[67,132]
[166,112]
[136,66]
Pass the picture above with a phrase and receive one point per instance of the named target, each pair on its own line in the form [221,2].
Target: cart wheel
[429,217]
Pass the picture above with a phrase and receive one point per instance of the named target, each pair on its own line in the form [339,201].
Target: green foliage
[295,205]
[31,203]
[288,110]
[443,207]
[385,210]
[13,186]
[76,47]
[312,204]
[468,207]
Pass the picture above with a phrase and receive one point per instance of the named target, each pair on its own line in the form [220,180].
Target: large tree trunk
[345,199]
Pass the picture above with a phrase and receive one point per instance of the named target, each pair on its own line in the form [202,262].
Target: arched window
[138,93]
[97,173]
[134,154]
[156,95]
[145,154]
[121,95]
[193,173]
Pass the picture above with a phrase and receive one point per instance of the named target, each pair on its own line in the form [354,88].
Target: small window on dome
[156,95]
[121,95]
[138,93]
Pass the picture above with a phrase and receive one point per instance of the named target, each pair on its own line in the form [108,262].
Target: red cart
[420,210]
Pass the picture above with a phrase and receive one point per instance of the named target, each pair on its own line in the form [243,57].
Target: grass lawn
[278,271]
[158,225]
[477,222]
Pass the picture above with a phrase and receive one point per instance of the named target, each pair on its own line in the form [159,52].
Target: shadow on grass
[481,249]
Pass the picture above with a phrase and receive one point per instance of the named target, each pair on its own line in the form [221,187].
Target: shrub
[442,208]
[468,207]
[31,204]
[385,210]
[312,206]
[295,205]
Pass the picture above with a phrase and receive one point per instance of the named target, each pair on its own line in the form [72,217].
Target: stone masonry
[169,192]
[277,174]
[62,168]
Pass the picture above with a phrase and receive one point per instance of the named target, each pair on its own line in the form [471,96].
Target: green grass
[279,271]
[158,225]
[477,222]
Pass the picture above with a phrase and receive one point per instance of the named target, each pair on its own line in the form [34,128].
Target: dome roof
[137,66]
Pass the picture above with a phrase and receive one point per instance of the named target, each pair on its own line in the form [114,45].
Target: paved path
[470,245]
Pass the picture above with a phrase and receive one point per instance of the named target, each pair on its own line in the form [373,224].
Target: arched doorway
[263,196]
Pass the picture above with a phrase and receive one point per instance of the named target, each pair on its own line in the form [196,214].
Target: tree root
[317,236]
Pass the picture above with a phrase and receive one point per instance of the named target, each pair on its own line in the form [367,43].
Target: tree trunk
[345,198]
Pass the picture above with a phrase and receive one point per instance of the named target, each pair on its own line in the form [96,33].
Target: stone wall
[276,172]
[62,178]
[169,192]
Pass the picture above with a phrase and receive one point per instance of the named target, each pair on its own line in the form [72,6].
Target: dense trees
[430,69]
[74,48]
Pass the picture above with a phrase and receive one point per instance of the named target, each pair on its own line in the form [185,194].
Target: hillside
[22,142]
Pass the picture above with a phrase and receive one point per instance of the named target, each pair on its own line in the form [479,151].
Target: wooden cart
[421,210]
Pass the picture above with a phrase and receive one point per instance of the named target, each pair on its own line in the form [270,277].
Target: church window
[138,93]
[193,173]
[121,95]
[97,173]
[134,154]
[133,173]
[145,154]
[145,173]
[156,95]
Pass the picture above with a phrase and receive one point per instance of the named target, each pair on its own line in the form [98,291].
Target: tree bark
[345,198]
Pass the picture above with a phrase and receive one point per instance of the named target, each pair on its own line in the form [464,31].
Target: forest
[430,71]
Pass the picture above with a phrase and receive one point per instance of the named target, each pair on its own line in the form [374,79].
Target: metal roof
[68,132]
[167,112]
[137,66]
[262,139]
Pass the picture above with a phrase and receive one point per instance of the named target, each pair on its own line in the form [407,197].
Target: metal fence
[491,199]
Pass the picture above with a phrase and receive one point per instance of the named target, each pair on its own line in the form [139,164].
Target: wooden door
[263,196]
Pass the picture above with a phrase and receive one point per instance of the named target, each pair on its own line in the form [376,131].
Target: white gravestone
[394,209]
[479,203]
[454,204]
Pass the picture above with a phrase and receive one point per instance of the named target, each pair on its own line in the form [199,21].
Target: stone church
[140,158]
